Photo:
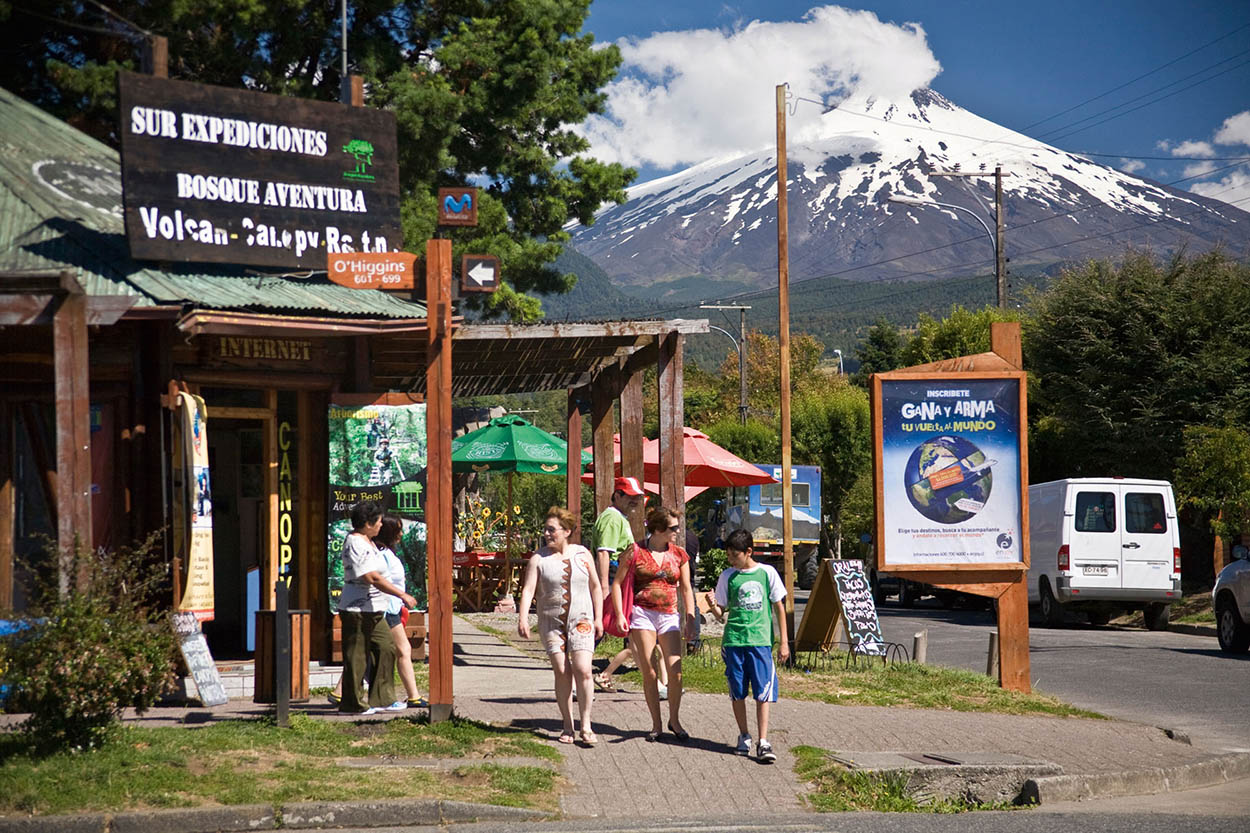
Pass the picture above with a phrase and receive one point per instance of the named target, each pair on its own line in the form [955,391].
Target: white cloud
[1192,148]
[1235,130]
[1234,188]
[684,97]
[1132,166]
[1198,169]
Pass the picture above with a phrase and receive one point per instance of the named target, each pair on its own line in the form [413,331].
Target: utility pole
[783,344]
[742,355]
[1000,235]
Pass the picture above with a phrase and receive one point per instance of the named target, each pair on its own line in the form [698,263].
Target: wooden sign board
[372,270]
[842,596]
[479,273]
[220,175]
[457,206]
[199,660]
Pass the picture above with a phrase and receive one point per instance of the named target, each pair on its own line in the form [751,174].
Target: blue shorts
[750,666]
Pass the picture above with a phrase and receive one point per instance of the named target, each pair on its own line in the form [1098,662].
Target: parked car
[1231,600]
[1103,545]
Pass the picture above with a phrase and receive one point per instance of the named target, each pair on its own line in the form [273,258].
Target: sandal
[653,736]
[681,734]
[589,738]
[603,684]
[566,737]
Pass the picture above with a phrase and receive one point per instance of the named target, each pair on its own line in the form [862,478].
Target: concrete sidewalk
[499,684]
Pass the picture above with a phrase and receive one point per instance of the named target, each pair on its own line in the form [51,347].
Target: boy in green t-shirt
[751,594]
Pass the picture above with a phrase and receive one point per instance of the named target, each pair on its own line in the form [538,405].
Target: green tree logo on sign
[363,152]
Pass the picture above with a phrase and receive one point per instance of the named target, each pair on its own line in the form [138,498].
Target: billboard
[950,469]
[219,175]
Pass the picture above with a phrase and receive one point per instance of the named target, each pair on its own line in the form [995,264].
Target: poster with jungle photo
[377,452]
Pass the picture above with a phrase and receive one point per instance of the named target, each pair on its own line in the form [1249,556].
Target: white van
[1103,545]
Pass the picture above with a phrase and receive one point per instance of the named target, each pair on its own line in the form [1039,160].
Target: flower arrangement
[480,527]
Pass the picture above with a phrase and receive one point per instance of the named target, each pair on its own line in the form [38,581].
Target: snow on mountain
[718,219]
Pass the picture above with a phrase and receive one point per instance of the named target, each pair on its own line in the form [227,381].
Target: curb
[1208,772]
[1194,630]
[302,815]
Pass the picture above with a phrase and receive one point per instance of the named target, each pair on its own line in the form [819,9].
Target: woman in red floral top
[661,570]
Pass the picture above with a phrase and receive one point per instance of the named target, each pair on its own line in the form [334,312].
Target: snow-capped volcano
[718,219]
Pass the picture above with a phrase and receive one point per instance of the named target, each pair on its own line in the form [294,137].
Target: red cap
[629,485]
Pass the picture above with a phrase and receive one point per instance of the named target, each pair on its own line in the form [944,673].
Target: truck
[758,510]
[1103,545]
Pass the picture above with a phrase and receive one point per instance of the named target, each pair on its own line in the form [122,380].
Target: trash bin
[265,691]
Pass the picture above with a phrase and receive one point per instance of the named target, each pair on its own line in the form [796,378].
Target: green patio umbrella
[511,444]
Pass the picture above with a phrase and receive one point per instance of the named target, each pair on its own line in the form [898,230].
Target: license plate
[1094,569]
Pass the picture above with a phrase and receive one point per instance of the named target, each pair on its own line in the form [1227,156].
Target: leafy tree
[754,442]
[1124,358]
[833,429]
[1213,476]
[483,91]
[964,332]
[763,362]
[880,351]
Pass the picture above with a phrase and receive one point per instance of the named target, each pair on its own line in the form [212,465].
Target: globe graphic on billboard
[948,479]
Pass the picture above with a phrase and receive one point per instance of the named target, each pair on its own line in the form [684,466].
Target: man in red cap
[613,537]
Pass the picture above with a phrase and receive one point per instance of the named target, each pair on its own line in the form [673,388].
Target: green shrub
[711,564]
[92,649]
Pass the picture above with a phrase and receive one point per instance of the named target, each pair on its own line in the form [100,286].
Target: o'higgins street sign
[231,176]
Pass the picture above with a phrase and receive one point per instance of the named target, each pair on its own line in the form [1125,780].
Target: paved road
[1173,680]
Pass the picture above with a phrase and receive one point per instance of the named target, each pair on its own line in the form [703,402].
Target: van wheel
[1156,615]
[1233,632]
[906,593]
[1052,616]
[807,576]
[878,595]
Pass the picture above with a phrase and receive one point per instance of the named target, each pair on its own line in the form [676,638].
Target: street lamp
[742,387]
[838,353]
[998,261]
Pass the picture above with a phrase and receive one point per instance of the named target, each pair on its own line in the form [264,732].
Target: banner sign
[859,612]
[377,453]
[372,270]
[950,483]
[213,174]
[193,506]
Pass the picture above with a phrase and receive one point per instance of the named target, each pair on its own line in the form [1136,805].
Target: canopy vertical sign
[193,506]
[377,452]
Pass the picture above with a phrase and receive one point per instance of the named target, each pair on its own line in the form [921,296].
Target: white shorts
[645,619]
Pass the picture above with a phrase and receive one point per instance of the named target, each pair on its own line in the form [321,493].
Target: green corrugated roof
[79,226]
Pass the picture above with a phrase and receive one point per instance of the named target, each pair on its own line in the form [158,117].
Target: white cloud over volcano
[684,97]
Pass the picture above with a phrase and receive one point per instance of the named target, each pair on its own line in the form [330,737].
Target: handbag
[611,625]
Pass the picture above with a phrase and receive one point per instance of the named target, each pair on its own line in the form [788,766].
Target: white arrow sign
[479,273]
[482,274]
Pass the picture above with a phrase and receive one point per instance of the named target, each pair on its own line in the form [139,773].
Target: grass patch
[904,685]
[184,767]
[835,789]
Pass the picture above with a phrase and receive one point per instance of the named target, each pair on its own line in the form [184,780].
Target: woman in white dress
[570,616]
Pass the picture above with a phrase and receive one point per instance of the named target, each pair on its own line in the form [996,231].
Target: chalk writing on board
[199,660]
[858,610]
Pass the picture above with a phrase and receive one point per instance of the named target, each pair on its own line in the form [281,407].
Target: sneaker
[743,747]
[363,712]
[334,698]
[663,689]
[418,703]
[397,706]
[764,752]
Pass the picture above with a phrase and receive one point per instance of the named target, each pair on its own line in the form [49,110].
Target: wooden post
[438,483]
[672,456]
[601,395]
[573,464]
[631,443]
[8,505]
[73,424]
[1013,636]
[1000,241]
[281,654]
[154,59]
[269,550]
[783,345]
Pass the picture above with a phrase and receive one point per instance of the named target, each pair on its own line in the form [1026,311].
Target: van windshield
[1143,512]
[1095,512]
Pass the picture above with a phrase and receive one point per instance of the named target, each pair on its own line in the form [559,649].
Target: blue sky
[1016,64]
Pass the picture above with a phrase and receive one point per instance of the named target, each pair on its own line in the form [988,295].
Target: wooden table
[479,579]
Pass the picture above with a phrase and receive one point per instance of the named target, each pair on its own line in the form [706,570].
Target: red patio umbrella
[706,463]
[648,485]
